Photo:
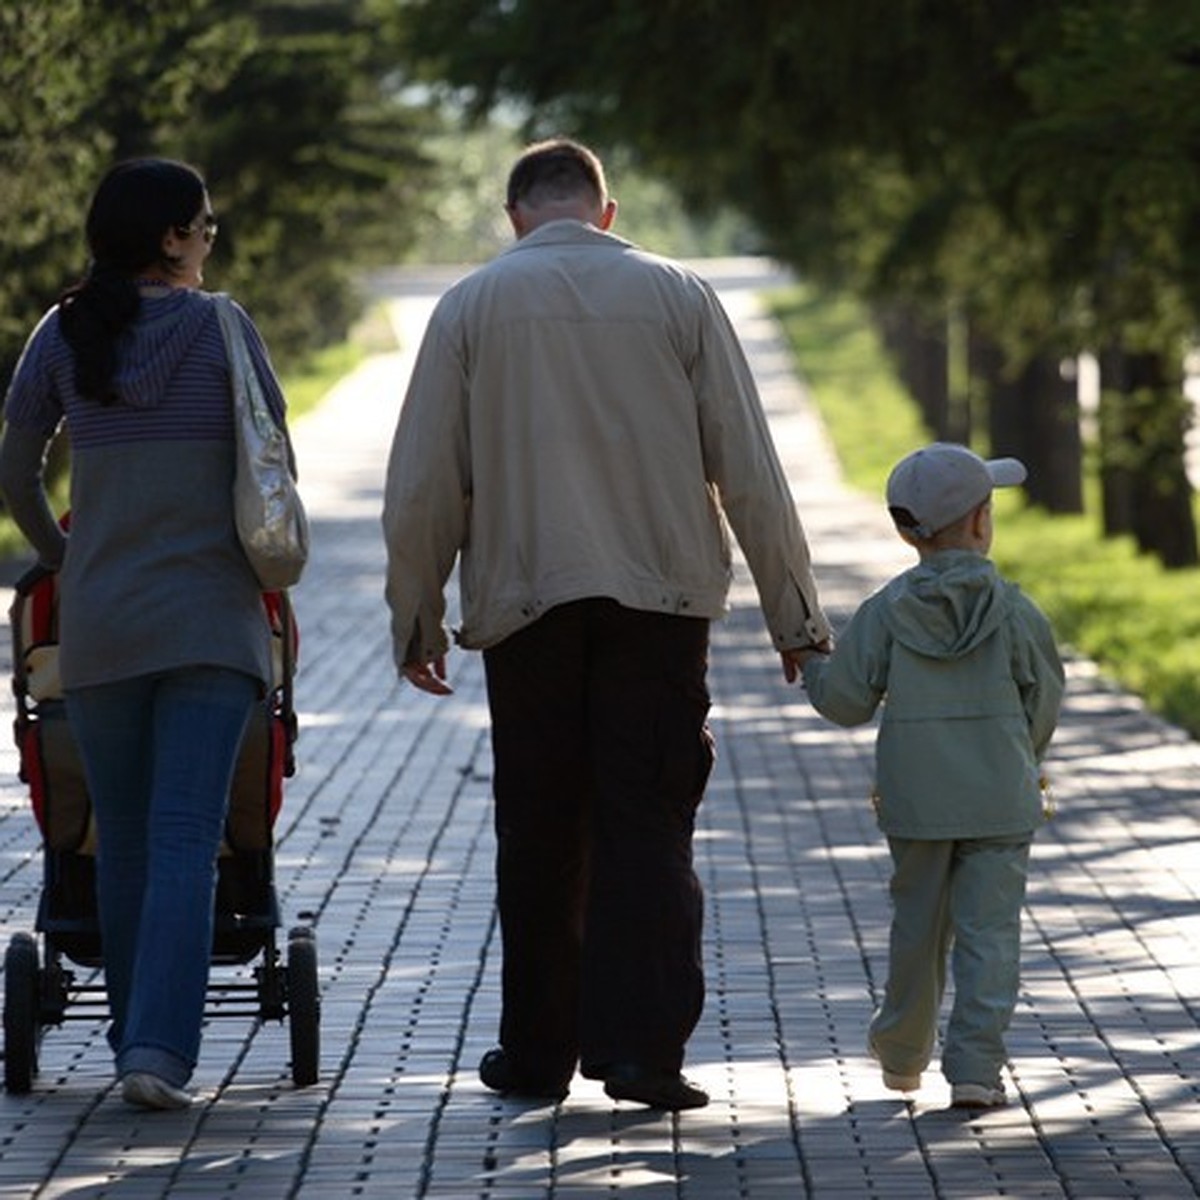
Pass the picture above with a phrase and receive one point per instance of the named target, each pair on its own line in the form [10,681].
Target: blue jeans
[159,752]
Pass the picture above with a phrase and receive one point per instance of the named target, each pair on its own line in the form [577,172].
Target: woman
[163,643]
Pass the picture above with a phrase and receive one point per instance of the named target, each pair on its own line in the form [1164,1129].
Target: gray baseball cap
[942,482]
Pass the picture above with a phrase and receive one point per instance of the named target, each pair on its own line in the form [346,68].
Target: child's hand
[795,658]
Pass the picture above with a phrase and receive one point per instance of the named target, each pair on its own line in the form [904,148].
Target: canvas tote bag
[270,517]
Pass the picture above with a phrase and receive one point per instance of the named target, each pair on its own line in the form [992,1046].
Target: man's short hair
[556,169]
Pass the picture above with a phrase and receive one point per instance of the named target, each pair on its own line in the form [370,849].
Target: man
[580,423]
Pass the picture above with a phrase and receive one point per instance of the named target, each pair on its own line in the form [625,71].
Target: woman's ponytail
[92,316]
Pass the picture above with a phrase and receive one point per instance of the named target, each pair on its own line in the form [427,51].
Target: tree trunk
[1116,458]
[1144,419]
[919,352]
[1054,450]
[999,397]
[1034,416]
[958,425]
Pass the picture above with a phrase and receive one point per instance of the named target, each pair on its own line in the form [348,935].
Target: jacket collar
[566,232]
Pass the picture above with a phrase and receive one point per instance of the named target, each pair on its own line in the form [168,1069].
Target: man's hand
[794,659]
[429,677]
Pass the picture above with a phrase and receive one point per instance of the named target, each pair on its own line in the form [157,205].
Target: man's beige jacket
[581,422]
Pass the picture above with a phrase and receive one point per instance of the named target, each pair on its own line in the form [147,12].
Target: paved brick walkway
[385,843]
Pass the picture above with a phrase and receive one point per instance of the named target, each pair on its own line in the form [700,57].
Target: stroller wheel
[21,1024]
[304,1006]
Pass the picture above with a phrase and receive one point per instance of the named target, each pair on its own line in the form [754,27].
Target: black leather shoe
[501,1074]
[656,1089]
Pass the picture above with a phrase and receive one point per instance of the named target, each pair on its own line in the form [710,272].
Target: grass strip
[1139,622]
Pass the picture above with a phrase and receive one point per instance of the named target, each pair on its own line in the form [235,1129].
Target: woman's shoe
[143,1090]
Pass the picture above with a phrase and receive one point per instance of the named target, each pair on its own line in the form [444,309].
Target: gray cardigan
[153,577]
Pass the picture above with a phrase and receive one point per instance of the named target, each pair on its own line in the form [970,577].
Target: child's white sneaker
[977,1095]
[893,1080]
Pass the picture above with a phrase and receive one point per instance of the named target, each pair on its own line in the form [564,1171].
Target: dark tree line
[1008,184]
[289,107]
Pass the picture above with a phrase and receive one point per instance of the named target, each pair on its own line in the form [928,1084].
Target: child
[973,683]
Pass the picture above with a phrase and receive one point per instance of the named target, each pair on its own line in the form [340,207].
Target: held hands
[429,677]
[794,659]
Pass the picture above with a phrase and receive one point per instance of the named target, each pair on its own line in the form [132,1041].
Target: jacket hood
[151,349]
[947,605]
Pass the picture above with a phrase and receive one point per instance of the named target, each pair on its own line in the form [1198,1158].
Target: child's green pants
[960,899]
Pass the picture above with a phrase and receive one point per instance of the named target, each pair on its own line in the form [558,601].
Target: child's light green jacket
[970,681]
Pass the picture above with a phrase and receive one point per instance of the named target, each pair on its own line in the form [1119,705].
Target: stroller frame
[40,988]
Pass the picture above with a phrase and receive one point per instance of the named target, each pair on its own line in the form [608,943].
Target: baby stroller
[39,990]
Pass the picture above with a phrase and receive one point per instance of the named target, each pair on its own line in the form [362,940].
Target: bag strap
[247,389]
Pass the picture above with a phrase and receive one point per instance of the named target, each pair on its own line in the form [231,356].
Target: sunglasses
[206,225]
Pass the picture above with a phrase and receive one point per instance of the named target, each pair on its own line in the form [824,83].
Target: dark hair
[556,169]
[134,206]
[906,522]
[903,518]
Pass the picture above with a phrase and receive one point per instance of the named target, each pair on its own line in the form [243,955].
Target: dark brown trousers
[602,753]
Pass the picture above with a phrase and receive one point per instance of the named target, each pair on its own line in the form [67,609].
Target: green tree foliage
[1030,165]
[467,222]
[289,107]
[49,156]
[891,134]
[317,167]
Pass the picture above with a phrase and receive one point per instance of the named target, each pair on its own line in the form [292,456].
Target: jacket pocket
[687,751]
